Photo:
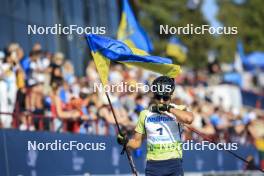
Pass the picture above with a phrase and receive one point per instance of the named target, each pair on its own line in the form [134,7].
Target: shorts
[171,167]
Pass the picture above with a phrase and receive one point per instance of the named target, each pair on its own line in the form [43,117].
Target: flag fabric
[130,32]
[105,49]
[176,49]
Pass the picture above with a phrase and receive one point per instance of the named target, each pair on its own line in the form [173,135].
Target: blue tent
[254,60]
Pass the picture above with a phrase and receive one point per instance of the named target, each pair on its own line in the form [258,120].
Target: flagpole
[129,157]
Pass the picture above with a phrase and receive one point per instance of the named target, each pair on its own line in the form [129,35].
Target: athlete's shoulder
[144,113]
[140,127]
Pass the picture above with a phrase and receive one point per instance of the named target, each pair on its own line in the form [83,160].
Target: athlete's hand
[161,108]
[122,139]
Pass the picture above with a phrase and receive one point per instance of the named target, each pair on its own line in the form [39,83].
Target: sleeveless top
[163,133]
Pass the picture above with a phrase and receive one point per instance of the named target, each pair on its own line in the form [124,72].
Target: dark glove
[161,108]
[122,139]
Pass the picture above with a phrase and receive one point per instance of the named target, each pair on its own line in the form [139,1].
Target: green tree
[154,13]
[248,17]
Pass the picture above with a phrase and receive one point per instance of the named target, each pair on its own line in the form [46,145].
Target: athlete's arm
[140,132]
[136,141]
[182,115]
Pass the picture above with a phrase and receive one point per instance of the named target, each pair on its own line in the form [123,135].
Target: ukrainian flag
[130,32]
[176,49]
[105,49]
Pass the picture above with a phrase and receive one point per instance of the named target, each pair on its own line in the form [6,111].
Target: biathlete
[161,126]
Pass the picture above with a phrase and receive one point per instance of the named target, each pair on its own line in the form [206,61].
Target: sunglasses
[164,97]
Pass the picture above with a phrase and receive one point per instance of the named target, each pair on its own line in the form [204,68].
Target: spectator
[8,87]
[59,108]
[218,120]
[68,72]
[49,96]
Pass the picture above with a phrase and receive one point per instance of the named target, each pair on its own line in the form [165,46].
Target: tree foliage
[249,18]
[154,13]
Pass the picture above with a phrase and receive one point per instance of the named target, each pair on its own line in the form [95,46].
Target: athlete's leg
[172,167]
[176,168]
[155,168]
[177,172]
[151,169]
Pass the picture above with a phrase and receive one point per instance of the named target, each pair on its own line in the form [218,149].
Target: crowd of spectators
[39,91]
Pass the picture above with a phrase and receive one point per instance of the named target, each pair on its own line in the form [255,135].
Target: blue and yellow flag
[130,32]
[176,49]
[105,49]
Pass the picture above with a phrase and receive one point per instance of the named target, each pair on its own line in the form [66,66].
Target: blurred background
[46,84]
